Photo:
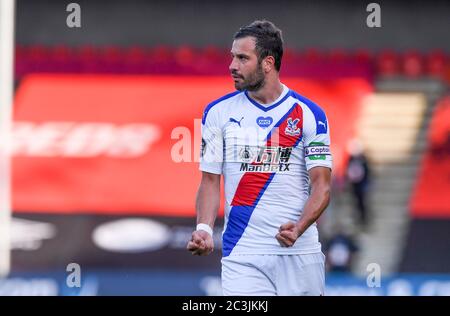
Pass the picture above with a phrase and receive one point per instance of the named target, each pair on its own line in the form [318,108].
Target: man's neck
[268,93]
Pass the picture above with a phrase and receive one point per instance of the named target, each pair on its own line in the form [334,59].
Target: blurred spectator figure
[358,177]
[340,250]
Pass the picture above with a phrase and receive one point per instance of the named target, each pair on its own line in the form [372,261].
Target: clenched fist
[288,234]
[201,243]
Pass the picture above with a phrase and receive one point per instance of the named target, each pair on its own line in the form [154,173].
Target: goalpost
[6,98]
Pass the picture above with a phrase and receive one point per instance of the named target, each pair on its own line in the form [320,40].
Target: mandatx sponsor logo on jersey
[266,159]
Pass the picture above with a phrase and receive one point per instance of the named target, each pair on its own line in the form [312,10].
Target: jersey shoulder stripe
[215,102]
[319,114]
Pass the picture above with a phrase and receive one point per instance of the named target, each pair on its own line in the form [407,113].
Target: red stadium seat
[161,60]
[62,59]
[387,63]
[212,53]
[363,56]
[185,55]
[38,58]
[135,59]
[111,59]
[212,60]
[412,64]
[162,53]
[435,63]
[88,58]
[312,55]
[20,61]
[337,56]
[289,55]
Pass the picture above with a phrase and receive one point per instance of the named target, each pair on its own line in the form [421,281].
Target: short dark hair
[269,41]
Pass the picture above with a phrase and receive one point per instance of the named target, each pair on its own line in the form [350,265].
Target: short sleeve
[211,152]
[316,139]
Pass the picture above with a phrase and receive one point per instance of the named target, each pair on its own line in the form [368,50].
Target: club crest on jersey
[264,122]
[246,154]
[291,128]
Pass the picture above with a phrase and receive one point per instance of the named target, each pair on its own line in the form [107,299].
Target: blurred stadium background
[99,109]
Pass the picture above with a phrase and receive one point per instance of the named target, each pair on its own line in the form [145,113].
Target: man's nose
[233,65]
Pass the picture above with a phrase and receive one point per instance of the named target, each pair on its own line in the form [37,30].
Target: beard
[253,82]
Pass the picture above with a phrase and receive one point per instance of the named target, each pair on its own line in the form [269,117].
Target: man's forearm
[208,202]
[314,207]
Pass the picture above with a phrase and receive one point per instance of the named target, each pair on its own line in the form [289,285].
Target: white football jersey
[264,153]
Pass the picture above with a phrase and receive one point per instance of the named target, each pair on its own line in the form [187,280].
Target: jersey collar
[284,95]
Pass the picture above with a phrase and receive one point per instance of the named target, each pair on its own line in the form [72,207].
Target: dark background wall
[317,23]
[428,247]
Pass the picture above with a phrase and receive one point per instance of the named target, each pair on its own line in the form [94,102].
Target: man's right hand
[201,243]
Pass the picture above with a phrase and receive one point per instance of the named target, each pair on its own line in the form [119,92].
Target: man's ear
[269,63]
